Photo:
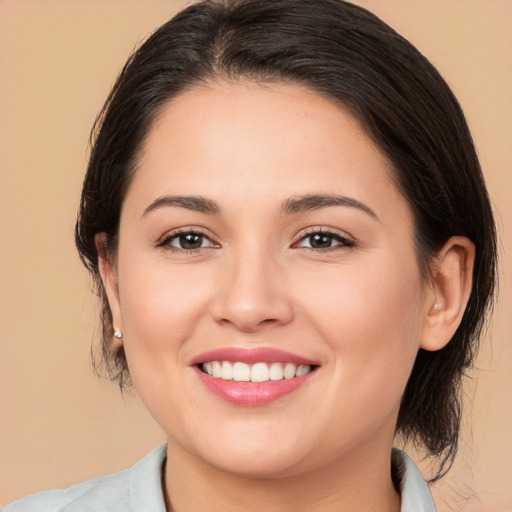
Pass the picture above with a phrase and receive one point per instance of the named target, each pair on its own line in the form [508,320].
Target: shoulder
[414,491]
[138,488]
[104,490]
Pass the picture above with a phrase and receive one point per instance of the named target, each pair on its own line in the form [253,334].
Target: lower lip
[252,393]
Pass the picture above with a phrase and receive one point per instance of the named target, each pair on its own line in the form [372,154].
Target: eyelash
[343,242]
[167,240]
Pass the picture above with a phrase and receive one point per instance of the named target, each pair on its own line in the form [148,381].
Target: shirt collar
[414,491]
[146,483]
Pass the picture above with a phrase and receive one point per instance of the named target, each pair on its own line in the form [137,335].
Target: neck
[359,481]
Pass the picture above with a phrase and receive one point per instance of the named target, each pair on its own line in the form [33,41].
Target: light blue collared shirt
[139,489]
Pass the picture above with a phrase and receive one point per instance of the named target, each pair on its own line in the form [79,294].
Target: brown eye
[324,240]
[188,241]
[320,241]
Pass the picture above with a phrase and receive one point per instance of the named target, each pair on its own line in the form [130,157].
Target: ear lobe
[109,278]
[451,282]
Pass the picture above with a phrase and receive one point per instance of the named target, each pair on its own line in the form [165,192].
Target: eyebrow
[290,206]
[317,202]
[196,203]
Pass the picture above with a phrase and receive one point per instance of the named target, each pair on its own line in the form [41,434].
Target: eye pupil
[319,241]
[191,241]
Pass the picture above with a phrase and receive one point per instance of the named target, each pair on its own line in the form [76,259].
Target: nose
[252,293]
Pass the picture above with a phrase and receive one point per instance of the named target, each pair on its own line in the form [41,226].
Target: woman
[289,230]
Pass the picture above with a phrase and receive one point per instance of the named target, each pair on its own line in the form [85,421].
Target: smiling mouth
[239,371]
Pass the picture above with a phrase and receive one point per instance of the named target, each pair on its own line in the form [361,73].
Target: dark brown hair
[348,55]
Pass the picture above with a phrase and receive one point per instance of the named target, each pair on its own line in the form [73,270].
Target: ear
[450,287]
[110,282]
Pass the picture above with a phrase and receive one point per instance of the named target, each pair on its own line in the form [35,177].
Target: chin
[253,452]
[264,464]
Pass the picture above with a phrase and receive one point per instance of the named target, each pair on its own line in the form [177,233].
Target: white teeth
[241,372]
[258,372]
[289,371]
[217,369]
[302,369]
[227,371]
[276,371]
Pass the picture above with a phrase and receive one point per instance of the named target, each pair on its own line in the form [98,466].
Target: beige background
[58,422]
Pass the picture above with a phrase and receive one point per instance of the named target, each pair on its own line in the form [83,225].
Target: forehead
[259,141]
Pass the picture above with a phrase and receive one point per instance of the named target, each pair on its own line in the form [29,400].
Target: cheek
[159,301]
[161,309]
[372,322]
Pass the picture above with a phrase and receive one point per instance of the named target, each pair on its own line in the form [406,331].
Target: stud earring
[118,334]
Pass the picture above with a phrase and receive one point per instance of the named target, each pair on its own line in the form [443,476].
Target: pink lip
[251,356]
[251,393]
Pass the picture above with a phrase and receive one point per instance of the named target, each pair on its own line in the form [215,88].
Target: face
[266,282]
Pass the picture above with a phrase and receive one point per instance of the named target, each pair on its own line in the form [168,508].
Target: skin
[360,309]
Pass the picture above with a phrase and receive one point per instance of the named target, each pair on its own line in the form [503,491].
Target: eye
[187,241]
[322,240]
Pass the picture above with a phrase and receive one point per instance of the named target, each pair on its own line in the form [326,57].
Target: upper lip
[251,356]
